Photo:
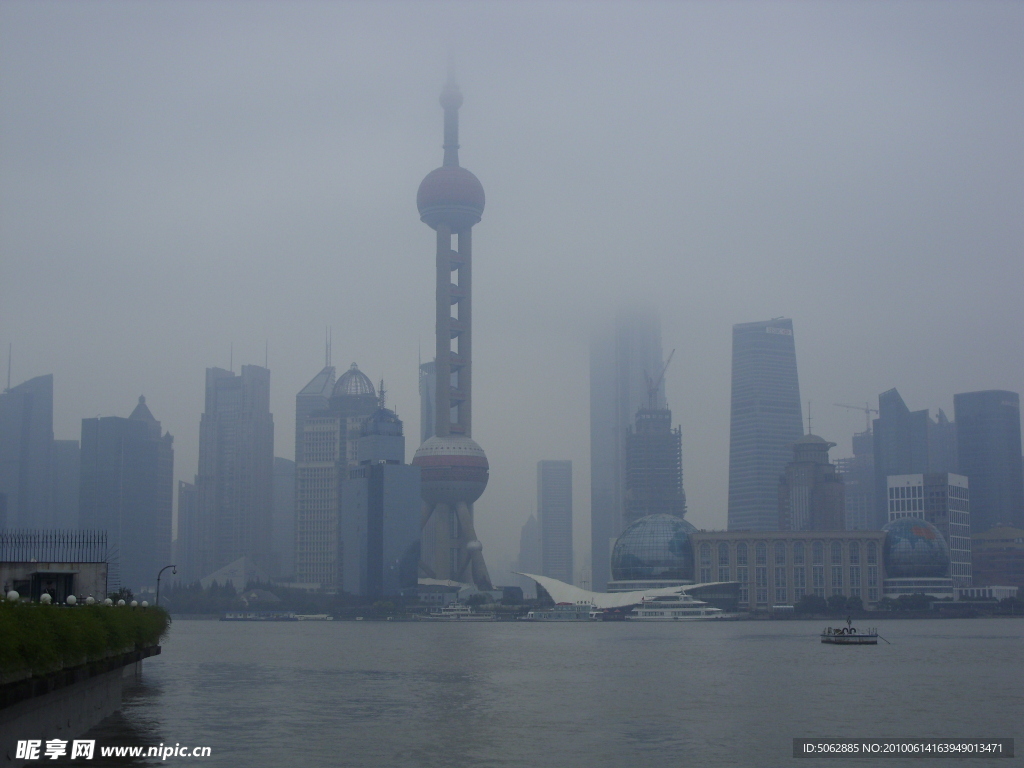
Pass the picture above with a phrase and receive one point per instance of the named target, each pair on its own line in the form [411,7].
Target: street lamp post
[174,570]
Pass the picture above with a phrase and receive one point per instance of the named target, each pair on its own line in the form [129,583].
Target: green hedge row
[43,638]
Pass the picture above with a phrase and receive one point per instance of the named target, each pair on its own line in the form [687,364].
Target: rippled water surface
[592,694]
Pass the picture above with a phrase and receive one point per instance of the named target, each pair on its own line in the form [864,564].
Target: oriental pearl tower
[454,468]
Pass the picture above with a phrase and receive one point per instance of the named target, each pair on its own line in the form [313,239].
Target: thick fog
[177,178]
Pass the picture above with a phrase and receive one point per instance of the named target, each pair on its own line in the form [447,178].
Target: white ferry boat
[562,612]
[455,612]
[674,608]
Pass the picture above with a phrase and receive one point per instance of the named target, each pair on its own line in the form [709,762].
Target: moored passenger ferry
[674,608]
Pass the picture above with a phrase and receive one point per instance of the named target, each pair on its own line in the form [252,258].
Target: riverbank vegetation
[38,639]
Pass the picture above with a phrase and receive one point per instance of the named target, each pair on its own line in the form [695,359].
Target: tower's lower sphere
[453,469]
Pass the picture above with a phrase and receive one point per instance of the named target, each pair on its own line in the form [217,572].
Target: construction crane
[653,386]
[868,410]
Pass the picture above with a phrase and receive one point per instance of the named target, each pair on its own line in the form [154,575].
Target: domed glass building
[655,548]
[914,549]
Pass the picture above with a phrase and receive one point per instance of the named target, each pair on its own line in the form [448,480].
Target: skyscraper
[126,489]
[554,513]
[625,352]
[811,495]
[765,420]
[989,453]
[311,399]
[380,512]
[454,468]
[236,465]
[26,447]
[908,442]
[328,442]
[654,466]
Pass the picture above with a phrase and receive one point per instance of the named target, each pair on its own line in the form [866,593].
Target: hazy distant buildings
[989,453]
[186,543]
[554,515]
[236,463]
[126,489]
[380,512]
[858,473]
[944,500]
[428,400]
[328,447]
[901,447]
[282,538]
[624,353]
[765,420]
[997,556]
[811,496]
[26,447]
[529,560]
[64,465]
[942,445]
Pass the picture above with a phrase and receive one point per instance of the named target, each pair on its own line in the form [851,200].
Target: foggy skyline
[179,178]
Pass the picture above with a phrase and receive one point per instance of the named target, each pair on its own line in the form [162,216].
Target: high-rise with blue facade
[765,421]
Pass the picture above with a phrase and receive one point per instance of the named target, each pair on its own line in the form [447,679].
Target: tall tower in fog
[765,421]
[236,468]
[624,352]
[454,468]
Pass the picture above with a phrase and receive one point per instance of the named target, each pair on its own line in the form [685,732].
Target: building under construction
[654,461]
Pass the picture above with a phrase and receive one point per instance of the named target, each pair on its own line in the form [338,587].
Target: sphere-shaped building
[914,549]
[453,469]
[654,548]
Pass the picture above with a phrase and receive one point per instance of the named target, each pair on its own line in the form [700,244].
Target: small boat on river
[849,635]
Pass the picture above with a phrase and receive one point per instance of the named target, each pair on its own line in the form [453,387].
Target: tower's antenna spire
[451,100]
[231,358]
[809,417]
[266,353]
[9,346]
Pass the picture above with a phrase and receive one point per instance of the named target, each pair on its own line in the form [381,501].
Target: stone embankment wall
[64,704]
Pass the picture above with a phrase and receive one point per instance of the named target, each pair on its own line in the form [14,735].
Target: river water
[595,694]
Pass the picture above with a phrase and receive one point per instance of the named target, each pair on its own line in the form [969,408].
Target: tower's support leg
[481,578]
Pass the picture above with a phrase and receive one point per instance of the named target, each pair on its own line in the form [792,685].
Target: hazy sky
[176,177]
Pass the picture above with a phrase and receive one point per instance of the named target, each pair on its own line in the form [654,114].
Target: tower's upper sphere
[453,469]
[451,96]
[450,195]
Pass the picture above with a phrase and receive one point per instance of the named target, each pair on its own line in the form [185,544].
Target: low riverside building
[57,563]
[780,567]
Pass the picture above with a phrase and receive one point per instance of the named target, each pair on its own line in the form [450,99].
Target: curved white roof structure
[566,593]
